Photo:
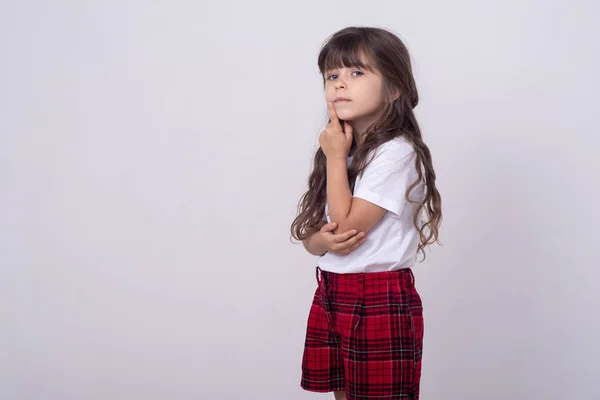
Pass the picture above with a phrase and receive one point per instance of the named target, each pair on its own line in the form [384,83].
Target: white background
[152,154]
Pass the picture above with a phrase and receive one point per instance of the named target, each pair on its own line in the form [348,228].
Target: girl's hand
[335,140]
[340,244]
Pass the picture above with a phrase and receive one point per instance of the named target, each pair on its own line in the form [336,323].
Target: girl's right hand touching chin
[340,244]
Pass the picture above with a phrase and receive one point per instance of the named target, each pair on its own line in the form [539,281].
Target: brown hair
[390,57]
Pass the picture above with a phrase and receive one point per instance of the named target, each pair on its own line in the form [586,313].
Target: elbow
[345,225]
[346,222]
[342,221]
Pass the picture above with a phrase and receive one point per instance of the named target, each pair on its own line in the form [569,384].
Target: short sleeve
[387,177]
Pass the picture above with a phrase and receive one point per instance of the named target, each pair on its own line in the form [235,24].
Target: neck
[359,128]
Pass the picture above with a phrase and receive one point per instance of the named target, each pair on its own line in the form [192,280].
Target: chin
[345,116]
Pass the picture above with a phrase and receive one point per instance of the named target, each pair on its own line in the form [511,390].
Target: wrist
[337,159]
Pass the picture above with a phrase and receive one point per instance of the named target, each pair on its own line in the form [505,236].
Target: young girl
[371,206]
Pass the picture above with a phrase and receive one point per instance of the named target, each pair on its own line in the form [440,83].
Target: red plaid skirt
[364,336]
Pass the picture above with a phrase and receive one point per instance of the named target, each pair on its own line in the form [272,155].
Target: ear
[392,95]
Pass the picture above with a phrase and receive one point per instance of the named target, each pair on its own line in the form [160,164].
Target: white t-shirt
[393,242]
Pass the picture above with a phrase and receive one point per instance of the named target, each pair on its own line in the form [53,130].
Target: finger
[342,237]
[350,242]
[329,227]
[350,249]
[333,115]
[356,245]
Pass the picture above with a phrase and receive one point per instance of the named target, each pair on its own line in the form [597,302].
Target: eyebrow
[366,67]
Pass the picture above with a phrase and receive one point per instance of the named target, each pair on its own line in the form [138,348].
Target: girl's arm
[349,212]
[324,241]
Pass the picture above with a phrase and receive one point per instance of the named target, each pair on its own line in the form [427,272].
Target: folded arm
[349,212]
[381,188]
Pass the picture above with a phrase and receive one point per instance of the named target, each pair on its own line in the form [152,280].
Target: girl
[371,206]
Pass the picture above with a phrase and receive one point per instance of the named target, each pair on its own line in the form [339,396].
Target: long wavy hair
[387,54]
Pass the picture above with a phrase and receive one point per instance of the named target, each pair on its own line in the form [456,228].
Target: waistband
[404,276]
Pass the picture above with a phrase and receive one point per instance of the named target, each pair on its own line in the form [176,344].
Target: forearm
[339,196]
[313,245]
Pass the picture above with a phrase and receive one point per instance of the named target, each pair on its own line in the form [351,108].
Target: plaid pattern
[364,336]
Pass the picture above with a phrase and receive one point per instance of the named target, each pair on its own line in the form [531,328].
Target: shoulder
[397,149]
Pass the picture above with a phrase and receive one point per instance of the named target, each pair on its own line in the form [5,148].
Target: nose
[340,83]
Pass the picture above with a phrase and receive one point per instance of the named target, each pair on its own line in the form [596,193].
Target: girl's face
[356,94]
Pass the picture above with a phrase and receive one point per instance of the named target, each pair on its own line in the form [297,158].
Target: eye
[357,72]
[332,77]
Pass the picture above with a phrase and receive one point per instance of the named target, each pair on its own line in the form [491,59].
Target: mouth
[341,100]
